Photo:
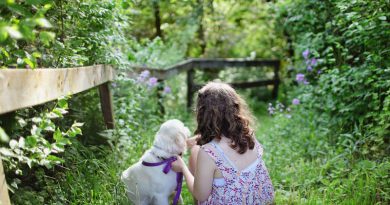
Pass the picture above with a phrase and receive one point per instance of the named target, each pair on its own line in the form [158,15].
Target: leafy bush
[344,45]
[62,33]
[35,148]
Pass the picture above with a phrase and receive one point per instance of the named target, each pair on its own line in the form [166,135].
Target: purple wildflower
[296,101]
[167,90]
[305,53]
[143,76]
[305,82]
[313,62]
[319,72]
[113,85]
[300,77]
[152,82]
[271,109]
[309,68]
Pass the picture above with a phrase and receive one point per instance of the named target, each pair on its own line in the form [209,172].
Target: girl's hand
[178,165]
[192,141]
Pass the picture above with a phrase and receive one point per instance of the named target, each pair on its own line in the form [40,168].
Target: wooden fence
[191,65]
[22,88]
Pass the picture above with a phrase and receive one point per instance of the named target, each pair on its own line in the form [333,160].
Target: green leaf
[43,22]
[54,158]
[57,135]
[46,37]
[36,54]
[14,32]
[31,141]
[3,34]
[7,152]
[63,103]
[13,143]
[3,136]
[29,62]
[77,124]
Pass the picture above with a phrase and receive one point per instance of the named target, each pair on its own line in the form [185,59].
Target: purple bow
[168,166]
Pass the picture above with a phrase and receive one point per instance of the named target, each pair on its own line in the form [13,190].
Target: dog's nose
[181,154]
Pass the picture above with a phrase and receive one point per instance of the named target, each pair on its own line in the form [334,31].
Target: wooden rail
[191,65]
[21,88]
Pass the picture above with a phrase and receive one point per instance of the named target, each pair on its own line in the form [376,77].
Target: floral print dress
[251,185]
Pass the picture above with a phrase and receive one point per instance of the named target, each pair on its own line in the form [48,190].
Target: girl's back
[238,178]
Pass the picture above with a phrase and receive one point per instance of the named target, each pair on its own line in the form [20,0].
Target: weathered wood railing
[191,65]
[21,88]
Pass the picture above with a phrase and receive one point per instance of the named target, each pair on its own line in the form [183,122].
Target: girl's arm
[204,176]
[200,186]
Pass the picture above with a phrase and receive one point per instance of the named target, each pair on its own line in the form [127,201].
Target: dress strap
[211,152]
[259,149]
[219,149]
[216,153]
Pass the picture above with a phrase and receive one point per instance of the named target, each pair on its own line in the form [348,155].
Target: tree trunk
[157,19]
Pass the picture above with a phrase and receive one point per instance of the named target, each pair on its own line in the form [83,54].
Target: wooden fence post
[4,198]
[190,87]
[276,80]
[106,105]
[160,89]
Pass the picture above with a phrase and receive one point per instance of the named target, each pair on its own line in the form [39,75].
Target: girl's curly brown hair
[221,111]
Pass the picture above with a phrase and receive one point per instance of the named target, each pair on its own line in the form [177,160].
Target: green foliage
[57,33]
[306,169]
[35,148]
[245,29]
[156,53]
[23,25]
[348,87]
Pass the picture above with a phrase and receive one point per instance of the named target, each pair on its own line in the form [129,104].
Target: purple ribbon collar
[168,166]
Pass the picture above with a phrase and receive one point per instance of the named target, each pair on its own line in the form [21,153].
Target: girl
[228,164]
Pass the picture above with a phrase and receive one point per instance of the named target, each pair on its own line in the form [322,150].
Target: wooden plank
[162,74]
[106,105]
[276,81]
[226,63]
[4,198]
[160,89]
[20,88]
[155,72]
[181,67]
[242,85]
[253,84]
[201,64]
[190,87]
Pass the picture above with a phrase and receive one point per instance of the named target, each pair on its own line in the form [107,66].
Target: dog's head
[171,137]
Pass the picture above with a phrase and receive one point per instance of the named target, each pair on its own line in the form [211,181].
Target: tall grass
[305,169]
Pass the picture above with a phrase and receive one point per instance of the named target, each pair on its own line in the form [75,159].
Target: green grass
[306,170]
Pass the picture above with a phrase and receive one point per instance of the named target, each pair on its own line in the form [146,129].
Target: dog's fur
[149,185]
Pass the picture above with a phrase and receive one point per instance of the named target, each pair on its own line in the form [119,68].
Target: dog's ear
[180,139]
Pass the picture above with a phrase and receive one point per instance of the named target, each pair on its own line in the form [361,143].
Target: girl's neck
[224,140]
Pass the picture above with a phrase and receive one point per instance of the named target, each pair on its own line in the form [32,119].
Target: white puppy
[149,185]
